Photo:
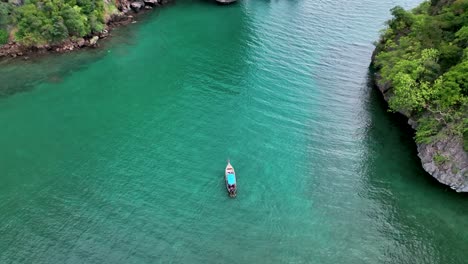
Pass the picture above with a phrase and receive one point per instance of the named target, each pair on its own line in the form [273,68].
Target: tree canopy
[39,22]
[423,55]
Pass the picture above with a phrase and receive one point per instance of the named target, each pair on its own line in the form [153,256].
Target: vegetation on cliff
[5,9]
[423,56]
[39,22]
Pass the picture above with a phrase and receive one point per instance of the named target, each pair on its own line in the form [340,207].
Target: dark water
[116,155]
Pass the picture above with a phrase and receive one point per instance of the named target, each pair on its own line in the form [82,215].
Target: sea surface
[117,154]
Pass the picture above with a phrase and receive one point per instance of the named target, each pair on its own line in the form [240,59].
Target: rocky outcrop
[137,6]
[123,5]
[13,49]
[81,42]
[151,2]
[444,159]
[93,41]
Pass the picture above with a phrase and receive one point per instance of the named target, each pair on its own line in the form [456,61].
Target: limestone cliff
[444,159]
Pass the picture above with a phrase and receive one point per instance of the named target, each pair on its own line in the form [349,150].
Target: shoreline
[450,172]
[128,14]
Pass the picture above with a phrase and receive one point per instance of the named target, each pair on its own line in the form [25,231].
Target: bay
[116,155]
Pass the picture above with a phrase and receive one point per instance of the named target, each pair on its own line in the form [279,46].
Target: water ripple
[120,159]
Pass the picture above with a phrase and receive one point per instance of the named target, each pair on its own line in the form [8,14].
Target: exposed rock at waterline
[93,41]
[123,5]
[452,167]
[150,2]
[444,159]
[13,49]
[137,6]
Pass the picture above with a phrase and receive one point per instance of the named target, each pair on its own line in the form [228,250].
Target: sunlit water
[116,155]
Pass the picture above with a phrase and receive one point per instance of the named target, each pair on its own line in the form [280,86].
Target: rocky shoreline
[128,10]
[452,170]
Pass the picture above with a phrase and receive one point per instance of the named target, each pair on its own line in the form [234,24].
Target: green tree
[52,21]
[3,36]
[75,21]
[423,55]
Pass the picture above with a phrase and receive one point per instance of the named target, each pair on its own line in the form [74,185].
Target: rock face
[93,41]
[452,167]
[137,6]
[445,159]
[81,42]
[151,2]
[11,49]
[123,5]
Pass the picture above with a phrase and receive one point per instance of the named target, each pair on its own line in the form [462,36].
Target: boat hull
[230,180]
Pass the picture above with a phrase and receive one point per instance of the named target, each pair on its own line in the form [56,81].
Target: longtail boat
[230,177]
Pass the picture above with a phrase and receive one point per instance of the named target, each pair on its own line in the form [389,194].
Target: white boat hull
[232,189]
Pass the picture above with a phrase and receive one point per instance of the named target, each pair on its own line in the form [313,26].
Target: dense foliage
[39,22]
[44,21]
[3,36]
[423,54]
[5,9]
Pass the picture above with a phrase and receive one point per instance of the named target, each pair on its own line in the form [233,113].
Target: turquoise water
[116,155]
